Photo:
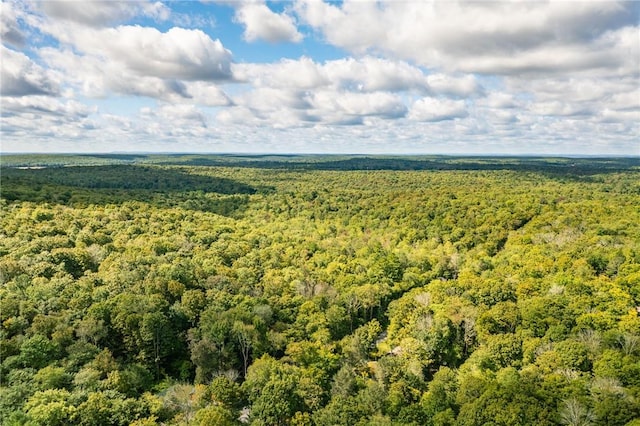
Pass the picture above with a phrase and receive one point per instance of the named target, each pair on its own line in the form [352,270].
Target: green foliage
[51,377]
[50,407]
[176,290]
[37,351]
[214,415]
[509,399]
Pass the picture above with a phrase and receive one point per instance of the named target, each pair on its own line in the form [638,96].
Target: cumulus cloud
[236,115]
[43,119]
[300,74]
[366,74]
[485,37]
[351,104]
[502,117]
[261,23]
[371,74]
[180,115]
[136,60]
[354,25]
[451,85]
[37,105]
[573,88]
[626,101]
[10,31]
[499,100]
[269,107]
[207,93]
[102,12]
[584,97]
[20,76]
[270,99]
[259,121]
[173,65]
[289,108]
[429,76]
[281,107]
[558,108]
[432,109]
[178,53]
[623,118]
[347,91]
[95,77]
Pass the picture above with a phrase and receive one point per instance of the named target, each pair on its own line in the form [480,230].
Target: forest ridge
[319,290]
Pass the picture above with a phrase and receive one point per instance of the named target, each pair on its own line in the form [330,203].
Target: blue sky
[309,76]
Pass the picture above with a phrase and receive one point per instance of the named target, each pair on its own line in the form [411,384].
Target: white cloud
[351,104]
[165,89]
[281,108]
[175,55]
[179,115]
[178,53]
[302,74]
[236,115]
[345,91]
[356,25]
[502,117]
[429,76]
[99,13]
[432,109]
[10,31]
[261,23]
[289,108]
[194,21]
[573,88]
[457,86]
[541,61]
[207,93]
[558,108]
[95,77]
[629,118]
[38,105]
[626,101]
[485,37]
[269,107]
[33,119]
[173,66]
[271,99]
[20,76]
[257,121]
[367,74]
[499,100]
[586,97]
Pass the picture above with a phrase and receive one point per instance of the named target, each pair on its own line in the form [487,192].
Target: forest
[319,290]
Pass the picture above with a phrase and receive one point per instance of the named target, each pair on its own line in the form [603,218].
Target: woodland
[319,290]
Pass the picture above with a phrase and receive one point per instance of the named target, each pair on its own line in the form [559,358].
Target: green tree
[50,407]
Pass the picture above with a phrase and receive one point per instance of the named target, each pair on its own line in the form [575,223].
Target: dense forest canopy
[319,290]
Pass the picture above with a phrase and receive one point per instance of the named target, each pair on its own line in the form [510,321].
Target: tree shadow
[116,184]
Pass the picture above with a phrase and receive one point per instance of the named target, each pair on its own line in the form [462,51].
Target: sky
[312,76]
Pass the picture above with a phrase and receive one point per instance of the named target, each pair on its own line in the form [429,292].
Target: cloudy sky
[312,76]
